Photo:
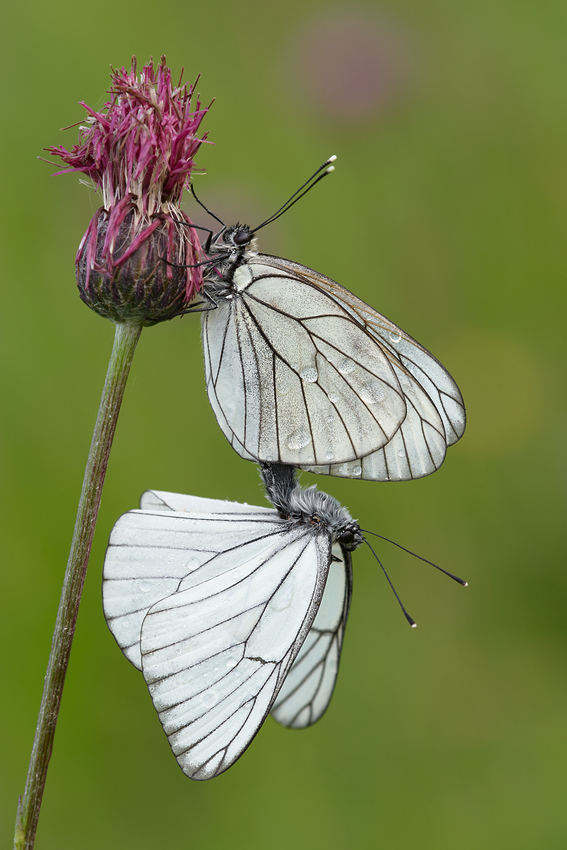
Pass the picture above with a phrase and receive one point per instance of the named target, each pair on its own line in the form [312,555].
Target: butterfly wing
[150,552]
[308,687]
[213,609]
[298,367]
[407,356]
[160,500]
[215,652]
[292,377]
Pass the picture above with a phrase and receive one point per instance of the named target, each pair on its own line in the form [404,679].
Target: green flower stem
[29,805]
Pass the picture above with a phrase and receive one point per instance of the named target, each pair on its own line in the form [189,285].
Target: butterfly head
[349,536]
[237,237]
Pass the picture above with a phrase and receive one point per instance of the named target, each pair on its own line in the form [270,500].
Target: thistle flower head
[139,152]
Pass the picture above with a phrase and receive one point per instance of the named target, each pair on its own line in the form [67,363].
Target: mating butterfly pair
[232,611]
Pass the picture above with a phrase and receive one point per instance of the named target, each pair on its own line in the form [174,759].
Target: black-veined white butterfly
[231,612]
[300,371]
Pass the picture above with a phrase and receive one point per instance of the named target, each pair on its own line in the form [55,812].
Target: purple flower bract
[139,152]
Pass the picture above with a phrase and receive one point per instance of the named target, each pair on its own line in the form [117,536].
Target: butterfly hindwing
[308,687]
[215,653]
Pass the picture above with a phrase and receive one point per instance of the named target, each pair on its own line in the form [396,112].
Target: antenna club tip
[465,584]
[332,158]
[329,169]
[413,625]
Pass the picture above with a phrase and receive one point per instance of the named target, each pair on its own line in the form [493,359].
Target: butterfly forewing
[302,372]
[308,687]
[215,653]
[297,390]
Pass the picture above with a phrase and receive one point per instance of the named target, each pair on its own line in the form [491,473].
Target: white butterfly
[300,371]
[231,611]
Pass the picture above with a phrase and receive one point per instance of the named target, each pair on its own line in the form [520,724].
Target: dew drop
[372,392]
[282,599]
[333,397]
[346,366]
[329,455]
[401,453]
[177,650]
[330,419]
[298,440]
[357,470]
[309,375]
[231,662]
[283,388]
[145,586]
[395,337]
[209,698]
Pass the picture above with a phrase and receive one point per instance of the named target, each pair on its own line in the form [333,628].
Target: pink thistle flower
[139,149]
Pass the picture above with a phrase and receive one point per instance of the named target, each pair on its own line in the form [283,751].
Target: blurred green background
[447,213]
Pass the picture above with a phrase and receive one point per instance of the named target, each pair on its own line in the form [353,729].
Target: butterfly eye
[346,537]
[314,520]
[242,236]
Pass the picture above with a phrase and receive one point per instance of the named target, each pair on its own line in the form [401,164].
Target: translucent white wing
[215,652]
[150,552]
[301,371]
[292,377]
[407,356]
[308,687]
[159,500]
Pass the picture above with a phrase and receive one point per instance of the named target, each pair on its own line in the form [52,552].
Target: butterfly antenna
[326,168]
[207,210]
[460,581]
[410,620]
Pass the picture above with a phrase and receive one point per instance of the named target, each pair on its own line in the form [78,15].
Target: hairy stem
[125,340]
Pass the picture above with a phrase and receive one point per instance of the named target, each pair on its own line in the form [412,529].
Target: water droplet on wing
[346,366]
[209,698]
[298,440]
[310,375]
[372,392]
[283,598]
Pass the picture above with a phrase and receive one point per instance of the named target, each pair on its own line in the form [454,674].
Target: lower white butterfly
[231,611]
[301,371]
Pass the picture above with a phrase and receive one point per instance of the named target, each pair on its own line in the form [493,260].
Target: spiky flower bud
[138,150]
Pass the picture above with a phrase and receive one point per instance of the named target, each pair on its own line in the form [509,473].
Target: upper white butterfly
[302,372]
